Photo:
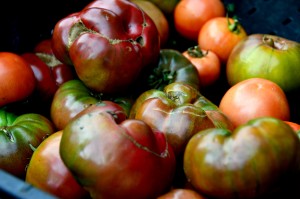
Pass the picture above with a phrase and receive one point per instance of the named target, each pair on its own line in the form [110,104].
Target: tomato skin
[190,16]
[47,171]
[293,125]
[18,133]
[18,81]
[253,155]
[216,35]
[124,52]
[181,193]
[167,7]
[158,18]
[125,157]
[207,64]
[265,56]
[59,72]
[73,97]
[254,97]
[172,67]
[179,111]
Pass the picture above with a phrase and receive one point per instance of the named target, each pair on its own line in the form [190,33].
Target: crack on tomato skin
[50,60]
[164,154]
[79,28]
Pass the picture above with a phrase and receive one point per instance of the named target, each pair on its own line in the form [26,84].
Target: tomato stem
[195,51]
[233,27]
[274,43]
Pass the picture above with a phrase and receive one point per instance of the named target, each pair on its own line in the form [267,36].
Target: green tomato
[19,136]
[265,56]
[247,162]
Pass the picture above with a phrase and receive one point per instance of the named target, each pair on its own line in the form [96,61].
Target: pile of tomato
[152,99]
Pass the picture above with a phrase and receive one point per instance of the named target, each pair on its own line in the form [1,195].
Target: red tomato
[207,64]
[17,78]
[220,35]
[47,172]
[49,72]
[190,15]
[252,98]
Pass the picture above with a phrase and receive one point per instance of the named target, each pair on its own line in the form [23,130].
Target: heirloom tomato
[220,35]
[190,15]
[108,42]
[265,56]
[19,134]
[17,78]
[179,111]
[249,162]
[254,97]
[49,72]
[73,97]
[207,63]
[115,157]
[47,171]
[172,67]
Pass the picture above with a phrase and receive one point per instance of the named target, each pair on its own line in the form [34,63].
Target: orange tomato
[17,78]
[207,64]
[190,15]
[253,98]
[220,35]
[47,171]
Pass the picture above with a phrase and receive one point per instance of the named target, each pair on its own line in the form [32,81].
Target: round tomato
[190,15]
[109,43]
[47,171]
[17,79]
[73,96]
[207,64]
[248,162]
[220,35]
[252,98]
[266,56]
[115,157]
[158,18]
[18,135]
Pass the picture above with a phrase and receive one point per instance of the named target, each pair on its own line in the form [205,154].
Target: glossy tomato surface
[221,35]
[125,157]
[128,42]
[47,171]
[73,97]
[252,98]
[190,15]
[18,81]
[265,56]
[207,63]
[19,134]
[248,162]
